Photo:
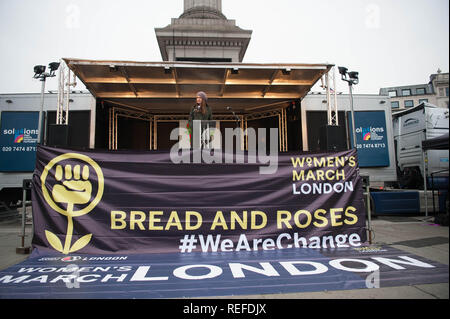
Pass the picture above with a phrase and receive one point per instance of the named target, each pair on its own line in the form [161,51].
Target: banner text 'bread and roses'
[125,202]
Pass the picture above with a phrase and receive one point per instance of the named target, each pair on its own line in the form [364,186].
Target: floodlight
[353,75]
[39,73]
[342,70]
[39,69]
[351,79]
[53,66]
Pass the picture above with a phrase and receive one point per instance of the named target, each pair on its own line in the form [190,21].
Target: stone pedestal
[203,33]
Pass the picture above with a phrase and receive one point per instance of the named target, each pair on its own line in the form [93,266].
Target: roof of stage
[170,87]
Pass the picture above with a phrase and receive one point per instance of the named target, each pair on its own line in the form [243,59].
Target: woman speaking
[201,111]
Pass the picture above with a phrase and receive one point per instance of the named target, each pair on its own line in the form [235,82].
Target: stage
[137,225]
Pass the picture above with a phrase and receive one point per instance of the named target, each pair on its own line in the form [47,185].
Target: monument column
[213,4]
[202,33]
[202,9]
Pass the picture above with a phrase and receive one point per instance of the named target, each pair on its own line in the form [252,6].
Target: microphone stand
[235,116]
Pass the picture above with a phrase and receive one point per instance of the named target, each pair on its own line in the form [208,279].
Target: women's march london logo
[68,187]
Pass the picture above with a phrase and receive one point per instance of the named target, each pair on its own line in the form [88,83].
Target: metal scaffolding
[117,111]
[64,88]
[332,106]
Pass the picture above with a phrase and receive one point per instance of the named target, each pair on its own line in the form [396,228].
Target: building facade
[439,82]
[434,92]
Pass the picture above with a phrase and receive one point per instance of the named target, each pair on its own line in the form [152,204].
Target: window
[441,91]
[409,103]
[392,93]
[446,91]
[423,100]
[395,104]
[421,91]
[406,92]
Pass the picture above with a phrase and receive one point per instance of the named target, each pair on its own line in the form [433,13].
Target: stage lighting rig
[352,78]
[39,73]
[39,70]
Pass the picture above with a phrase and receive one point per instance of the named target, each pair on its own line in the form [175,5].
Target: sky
[389,42]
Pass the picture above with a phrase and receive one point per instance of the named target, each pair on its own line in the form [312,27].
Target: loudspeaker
[294,129]
[332,138]
[58,135]
[293,111]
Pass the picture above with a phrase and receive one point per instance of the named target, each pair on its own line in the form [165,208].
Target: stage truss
[119,111]
[65,76]
[330,88]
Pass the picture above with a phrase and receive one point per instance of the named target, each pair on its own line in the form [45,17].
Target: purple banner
[95,202]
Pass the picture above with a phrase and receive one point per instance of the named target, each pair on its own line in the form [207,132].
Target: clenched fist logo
[75,189]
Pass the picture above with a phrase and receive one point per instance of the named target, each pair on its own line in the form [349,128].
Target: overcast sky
[390,42]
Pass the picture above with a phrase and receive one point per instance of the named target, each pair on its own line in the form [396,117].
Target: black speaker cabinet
[58,135]
[332,138]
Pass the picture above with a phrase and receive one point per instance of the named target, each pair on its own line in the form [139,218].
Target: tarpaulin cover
[437,143]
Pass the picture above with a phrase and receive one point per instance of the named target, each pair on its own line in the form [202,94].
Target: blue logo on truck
[18,140]
[371,138]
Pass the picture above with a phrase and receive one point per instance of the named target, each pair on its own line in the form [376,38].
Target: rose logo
[71,194]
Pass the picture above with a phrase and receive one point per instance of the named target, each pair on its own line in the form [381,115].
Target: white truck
[411,127]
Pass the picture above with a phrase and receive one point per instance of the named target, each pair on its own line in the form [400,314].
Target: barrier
[396,202]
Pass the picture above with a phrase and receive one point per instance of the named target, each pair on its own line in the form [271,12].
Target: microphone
[231,110]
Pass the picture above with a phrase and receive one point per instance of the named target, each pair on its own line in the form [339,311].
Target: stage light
[342,70]
[235,71]
[354,76]
[113,68]
[53,66]
[40,74]
[39,69]
[286,71]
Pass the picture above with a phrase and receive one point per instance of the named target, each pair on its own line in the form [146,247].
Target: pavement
[418,235]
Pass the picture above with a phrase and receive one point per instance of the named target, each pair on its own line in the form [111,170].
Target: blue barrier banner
[126,276]
[18,140]
[371,138]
